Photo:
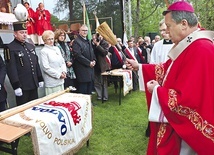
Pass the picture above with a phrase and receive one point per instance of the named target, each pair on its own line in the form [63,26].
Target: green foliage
[117,129]
[54,19]
[150,13]
[61,5]
[204,11]
[111,9]
[103,9]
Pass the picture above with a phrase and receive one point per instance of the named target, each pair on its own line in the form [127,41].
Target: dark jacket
[115,63]
[100,52]
[3,93]
[144,53]
[22,65]
[135,54]
[83,55]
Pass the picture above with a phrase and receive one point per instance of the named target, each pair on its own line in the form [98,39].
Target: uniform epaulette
[6,54]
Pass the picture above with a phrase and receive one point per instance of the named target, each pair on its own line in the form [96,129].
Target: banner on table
[60,125]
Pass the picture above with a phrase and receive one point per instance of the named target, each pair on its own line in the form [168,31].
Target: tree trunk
[71,17]
[137,19]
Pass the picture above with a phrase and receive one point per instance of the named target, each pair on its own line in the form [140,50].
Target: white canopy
[7,18]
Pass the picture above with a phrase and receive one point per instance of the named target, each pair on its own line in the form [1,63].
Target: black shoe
[147,133]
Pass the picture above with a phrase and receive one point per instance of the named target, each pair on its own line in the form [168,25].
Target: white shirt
[160,52]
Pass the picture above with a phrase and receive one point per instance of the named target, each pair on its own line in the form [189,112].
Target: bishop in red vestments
[180,91]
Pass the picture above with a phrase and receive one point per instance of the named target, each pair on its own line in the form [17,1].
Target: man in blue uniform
[22,66]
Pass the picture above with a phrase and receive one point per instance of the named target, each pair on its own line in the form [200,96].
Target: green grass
[117,129]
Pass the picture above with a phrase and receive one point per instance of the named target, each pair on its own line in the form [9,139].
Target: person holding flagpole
[100,47]
[117,58]
[131,52]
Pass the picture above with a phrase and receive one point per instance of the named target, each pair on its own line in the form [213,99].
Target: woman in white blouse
[52,64]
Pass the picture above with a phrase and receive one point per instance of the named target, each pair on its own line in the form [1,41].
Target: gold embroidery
[200,124]
[161,133]
[159,72]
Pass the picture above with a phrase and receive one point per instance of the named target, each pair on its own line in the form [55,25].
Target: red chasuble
[186,96]
[31,22]
[43,21]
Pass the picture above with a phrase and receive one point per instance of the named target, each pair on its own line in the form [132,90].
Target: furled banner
[60,125]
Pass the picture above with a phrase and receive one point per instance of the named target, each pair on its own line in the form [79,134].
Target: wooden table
[70,111]
[10,135]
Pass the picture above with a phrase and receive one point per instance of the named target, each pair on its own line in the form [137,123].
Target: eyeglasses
[84,30]
[163,30]
[50,39]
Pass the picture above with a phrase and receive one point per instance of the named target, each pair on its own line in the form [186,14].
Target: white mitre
[21,12]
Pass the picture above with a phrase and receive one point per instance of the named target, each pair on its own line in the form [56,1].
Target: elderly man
[84,61]
[22,66]
[181,90]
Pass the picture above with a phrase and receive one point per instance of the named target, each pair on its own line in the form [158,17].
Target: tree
[204,11]
[145,14]
[110,8]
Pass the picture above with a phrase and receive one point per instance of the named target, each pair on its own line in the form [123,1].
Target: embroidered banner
[61,125]
[127,78]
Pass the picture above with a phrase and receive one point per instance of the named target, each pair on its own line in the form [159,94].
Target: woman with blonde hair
[52,64]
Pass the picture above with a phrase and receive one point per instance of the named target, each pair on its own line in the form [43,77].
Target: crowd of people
[38,21]
[78,63]
[177,69]
[60,64]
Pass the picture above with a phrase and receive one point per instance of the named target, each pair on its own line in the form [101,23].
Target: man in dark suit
[3,93]
[132,53]
[117,58]
[22,66]
[84,61]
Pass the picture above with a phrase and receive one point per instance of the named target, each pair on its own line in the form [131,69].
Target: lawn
[117,129]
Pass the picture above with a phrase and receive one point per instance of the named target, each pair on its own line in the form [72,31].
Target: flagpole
[96,20]
[83,12]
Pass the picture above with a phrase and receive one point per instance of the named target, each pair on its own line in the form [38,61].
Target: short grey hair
[161,22]
[47,34]
[191,18]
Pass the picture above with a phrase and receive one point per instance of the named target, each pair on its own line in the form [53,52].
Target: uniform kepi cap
[181,5]
[19,26]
